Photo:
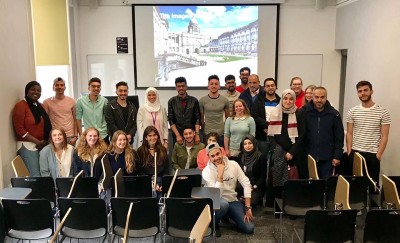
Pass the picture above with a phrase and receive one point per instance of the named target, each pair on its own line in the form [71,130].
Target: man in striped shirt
[367,129]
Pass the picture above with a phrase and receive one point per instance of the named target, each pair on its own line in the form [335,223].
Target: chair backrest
[299,196]
[128,216]
[396,180]
[83,187]
[107,172]
[64,185]
[144,215]
[133,186]
[390,190]
[59,227]
[183,185]
[182,214]
[342,193]
[19,167]
[312,168]
[86,213]
[382,226]
[42,187]
[200,227]
[330,226]
[28,215]
[358,191]
[358,164]
[119,183]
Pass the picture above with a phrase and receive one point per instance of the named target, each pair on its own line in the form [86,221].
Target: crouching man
[225,174]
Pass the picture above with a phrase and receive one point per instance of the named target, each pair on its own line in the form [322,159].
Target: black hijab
[38,111]
[249,158]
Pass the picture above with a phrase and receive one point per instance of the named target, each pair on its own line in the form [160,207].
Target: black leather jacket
[179,116]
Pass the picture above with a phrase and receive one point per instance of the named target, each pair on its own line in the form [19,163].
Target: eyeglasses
[296,84]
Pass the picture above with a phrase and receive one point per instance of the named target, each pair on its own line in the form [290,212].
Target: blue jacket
[324,132]
[246,96]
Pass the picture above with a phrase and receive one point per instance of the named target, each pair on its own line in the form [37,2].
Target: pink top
[202,158]
[61,113]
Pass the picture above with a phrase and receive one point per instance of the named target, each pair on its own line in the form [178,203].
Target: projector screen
[198,41]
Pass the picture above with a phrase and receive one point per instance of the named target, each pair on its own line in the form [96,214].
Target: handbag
[293,172]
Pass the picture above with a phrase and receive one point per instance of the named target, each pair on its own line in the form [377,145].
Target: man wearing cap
[224,174]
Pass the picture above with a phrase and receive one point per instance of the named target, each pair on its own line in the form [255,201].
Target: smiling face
[297,86]
[212,139]
[213,86]
[319,99]
[244,76]
[230,85]
[270,87]
[92,137]
[254,83]
[151,138]
[364,93]
[248,145]
[188,134]
[121,142]
[34,93]
[309,94]
[59,87]
[94,88]
[288,101]
[215,156]
[122,92]
[57,137]
[151,96]
[239,108]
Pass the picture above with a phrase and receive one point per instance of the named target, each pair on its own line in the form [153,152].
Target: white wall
[370,30]
[16,69]
[303,30]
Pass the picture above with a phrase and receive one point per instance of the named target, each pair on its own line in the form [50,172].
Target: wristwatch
[247,207]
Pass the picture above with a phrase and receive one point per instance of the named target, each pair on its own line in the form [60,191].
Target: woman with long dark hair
[150,149]
[32,127]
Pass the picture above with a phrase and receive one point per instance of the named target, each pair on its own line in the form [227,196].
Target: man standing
[231,93]
[213,107]
[121,114]
[367,129]
[184,156]
[61,111]
[324,135]
[260,112]
[253,91]
[225,174]
[90,109]
[244,75]
[296,84]
[183,109]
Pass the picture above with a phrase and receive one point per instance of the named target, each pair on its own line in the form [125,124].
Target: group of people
[246,130]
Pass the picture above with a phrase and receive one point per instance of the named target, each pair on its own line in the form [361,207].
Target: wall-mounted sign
[122,44]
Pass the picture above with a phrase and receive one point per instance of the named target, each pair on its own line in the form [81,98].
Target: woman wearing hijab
[254,167]
[152,113]
[287,125]
[32,127]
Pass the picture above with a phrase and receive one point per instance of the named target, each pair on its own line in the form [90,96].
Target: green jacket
[180,155]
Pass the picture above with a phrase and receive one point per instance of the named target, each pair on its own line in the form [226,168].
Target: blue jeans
[264,147]
[234,210]
[31,160]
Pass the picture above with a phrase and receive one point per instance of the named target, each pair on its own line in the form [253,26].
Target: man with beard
[121,114]
[184,156]
[254,90]
[231,93]
[367,129]
[324,135]
[213,107]
[183,109]
[244,75]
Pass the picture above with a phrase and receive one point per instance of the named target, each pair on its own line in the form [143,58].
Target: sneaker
[217,231]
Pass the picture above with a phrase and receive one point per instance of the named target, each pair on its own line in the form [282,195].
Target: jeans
[234,210]
[31,160]
[264,147]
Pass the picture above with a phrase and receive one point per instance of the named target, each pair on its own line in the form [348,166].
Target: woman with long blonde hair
[119,155]
[89,148]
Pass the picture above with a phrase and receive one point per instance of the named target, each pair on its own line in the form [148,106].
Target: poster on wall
[122,44]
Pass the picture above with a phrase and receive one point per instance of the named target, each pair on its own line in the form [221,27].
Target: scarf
[275,119]
[151,107]
[38,111]
[249,158]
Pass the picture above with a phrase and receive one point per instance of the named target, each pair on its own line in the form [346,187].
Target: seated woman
[56,158]
[148,158]
[202,157]
[89,148]
[254,167]
[184,156]
[119,155]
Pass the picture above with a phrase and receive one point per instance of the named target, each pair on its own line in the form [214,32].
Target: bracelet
[197,133]
[247,207]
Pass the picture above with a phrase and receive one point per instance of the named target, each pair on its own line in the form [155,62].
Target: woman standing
[119,155]
[254,167]
[287,125]
[56,158]
[152,113]
[32,127]
[147,151]
[237,125]
[308,94]
[89,148]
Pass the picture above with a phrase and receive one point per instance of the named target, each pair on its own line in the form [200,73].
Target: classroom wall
[17,69]
[370,31]
[303,30]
